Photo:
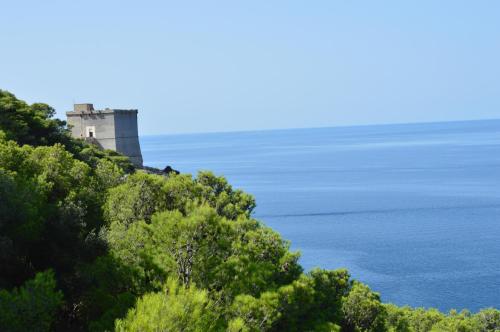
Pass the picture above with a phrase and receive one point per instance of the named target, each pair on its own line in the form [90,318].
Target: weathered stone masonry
[113,129]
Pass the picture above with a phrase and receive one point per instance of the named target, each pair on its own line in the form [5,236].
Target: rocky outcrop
[166,171]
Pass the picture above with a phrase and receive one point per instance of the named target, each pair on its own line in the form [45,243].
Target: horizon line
[319,127]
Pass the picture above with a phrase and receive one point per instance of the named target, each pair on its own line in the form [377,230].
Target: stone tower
[112,129]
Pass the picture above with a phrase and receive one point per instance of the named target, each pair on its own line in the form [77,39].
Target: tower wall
[127,135]
[103,122]
[110,129]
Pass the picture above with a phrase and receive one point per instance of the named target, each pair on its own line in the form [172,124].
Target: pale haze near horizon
[200,66]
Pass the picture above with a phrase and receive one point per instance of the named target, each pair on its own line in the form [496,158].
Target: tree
[398,318]
[138,198]
[51,214]
[255,314]
[457,322]
[422,320]
[298,306]
[21,225]
[183,250]
[33,306]
[30,124]
[176,308]
[219,194]
[362,309]
[330,286]
[488,320]
[109,292]
[231,257]
[141,195]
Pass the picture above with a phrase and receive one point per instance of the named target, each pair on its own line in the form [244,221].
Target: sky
[210,66]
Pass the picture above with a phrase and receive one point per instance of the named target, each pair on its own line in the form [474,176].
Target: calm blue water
[412,210]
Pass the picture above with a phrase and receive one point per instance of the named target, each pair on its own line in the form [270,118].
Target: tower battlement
[113,129]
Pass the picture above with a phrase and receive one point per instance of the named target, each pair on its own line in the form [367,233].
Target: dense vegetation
[89,243]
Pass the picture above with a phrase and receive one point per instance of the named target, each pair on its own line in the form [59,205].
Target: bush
[175,308]
[32,307]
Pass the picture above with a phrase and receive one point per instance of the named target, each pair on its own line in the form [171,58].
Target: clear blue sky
[198,66]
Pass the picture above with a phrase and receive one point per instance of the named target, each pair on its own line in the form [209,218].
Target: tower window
[90,131]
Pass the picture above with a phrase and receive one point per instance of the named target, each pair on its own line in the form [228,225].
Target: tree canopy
[89,243]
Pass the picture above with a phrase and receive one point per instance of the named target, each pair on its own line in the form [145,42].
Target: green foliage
[137,252]
[21,224]
[457,322]
[488,320]
[92,155]
[50,201]
[34,125]
[175,308]
[329,289]
[311,302]
[50,210]
[109,292]
[108,174]
[421,320]
[30,124]
[204,248]
[398,318]
[136,199]
[61,189]
[141,195]
[218,193]
[255,314]
[362,309]
[327,327]
[32,307]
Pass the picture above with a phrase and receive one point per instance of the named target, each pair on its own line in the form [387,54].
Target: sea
[412,210]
